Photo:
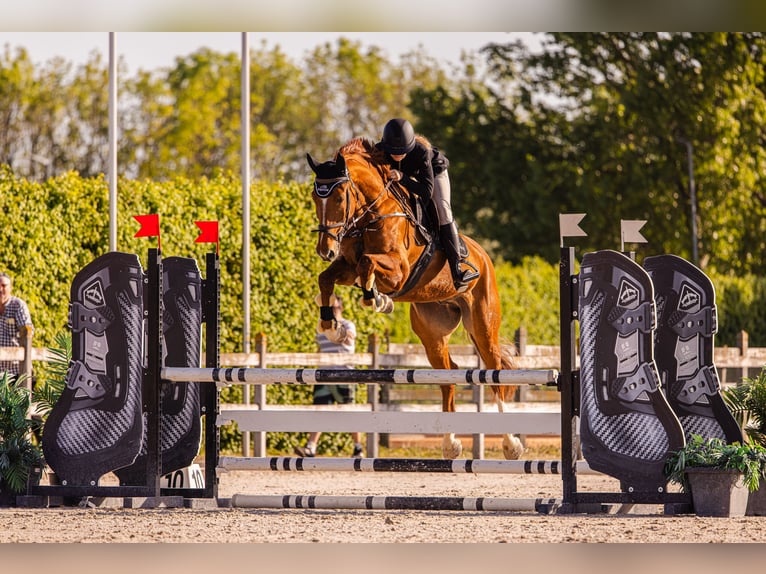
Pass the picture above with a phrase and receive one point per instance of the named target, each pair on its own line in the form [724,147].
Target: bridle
[350,227]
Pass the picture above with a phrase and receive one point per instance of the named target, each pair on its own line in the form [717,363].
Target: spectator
[334,394]
[14,314]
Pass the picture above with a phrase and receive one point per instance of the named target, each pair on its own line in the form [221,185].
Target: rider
[422,169]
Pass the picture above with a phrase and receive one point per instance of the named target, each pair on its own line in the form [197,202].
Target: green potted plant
[52,383]
[719,475]
[747,402]
[20,457]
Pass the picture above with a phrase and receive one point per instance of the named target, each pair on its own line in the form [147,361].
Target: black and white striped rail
[462,466]
[255,376]
[396,503]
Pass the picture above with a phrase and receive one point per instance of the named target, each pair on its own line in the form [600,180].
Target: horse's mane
[363,150]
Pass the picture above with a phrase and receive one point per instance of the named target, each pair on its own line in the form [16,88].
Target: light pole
[692,196]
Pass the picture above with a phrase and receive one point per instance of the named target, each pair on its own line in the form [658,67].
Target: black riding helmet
[398,137]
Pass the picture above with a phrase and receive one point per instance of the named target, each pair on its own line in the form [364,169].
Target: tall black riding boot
[451,243]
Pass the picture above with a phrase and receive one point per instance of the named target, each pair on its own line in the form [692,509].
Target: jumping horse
[369,234]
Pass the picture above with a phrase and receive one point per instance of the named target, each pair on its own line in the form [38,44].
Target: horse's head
[331,200]
[348,192]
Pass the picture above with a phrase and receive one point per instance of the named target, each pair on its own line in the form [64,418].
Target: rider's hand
[396,175]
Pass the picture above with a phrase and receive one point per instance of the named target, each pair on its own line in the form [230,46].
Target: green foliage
[18,454]
[741,302]
[749,459]
[747,402]
[51,377]
[284,266]
[530,298]
[590,122]
[597,123]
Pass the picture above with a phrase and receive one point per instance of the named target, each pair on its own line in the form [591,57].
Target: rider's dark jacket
[419,168]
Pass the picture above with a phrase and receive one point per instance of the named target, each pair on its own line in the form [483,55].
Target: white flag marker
[569,226]
[630,232]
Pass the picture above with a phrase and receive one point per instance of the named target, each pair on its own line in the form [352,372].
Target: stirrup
[464,278]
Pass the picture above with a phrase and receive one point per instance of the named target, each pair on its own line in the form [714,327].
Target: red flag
[208,233]
[150,225]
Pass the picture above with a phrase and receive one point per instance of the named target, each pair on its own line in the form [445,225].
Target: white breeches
[441,198]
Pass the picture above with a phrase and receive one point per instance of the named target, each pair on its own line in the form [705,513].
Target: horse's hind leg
[512,445]
[433,323]
[482,321]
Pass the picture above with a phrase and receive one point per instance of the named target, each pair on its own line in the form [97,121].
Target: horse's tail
[508,357]
[507,361]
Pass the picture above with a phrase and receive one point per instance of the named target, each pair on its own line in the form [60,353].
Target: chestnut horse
[368,234]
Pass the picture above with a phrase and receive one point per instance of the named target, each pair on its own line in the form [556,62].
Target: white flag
[569,226]
[629,231]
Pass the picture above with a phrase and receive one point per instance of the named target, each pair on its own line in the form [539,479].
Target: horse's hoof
[512,448]
[451,449]
[383,304]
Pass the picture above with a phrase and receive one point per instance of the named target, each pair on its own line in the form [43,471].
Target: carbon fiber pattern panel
[633,434]
[684,341]
[91,429]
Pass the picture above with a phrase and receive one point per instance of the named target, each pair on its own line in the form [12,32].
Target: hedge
[52,229]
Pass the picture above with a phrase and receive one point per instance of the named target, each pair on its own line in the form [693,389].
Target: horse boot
[97,424]
[179,401]
[450,240]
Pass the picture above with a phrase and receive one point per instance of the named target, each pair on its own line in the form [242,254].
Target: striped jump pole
[462,466]
[543,505]
[256,376]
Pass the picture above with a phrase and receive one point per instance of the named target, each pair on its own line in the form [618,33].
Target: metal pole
[112,144]
[245,193]
[692,197]
[245,121]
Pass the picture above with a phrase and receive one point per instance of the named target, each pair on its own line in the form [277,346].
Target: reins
[350,227]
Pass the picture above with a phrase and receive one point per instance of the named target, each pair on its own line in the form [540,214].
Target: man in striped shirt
[334,394]
[14,314]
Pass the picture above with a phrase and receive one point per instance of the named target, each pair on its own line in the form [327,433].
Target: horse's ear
[340,163]
[312,162]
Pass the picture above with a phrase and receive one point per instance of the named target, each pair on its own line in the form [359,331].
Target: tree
[622,101]
[355,92]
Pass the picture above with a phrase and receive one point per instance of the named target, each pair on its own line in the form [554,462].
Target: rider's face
[398,157]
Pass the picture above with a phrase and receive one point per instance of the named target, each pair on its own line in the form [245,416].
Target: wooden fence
[733,363]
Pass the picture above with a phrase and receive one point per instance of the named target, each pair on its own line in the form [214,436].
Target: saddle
[425,219]
[423,214]
[427,222]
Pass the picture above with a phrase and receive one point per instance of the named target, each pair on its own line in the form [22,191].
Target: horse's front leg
[339,272]
[380,271]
